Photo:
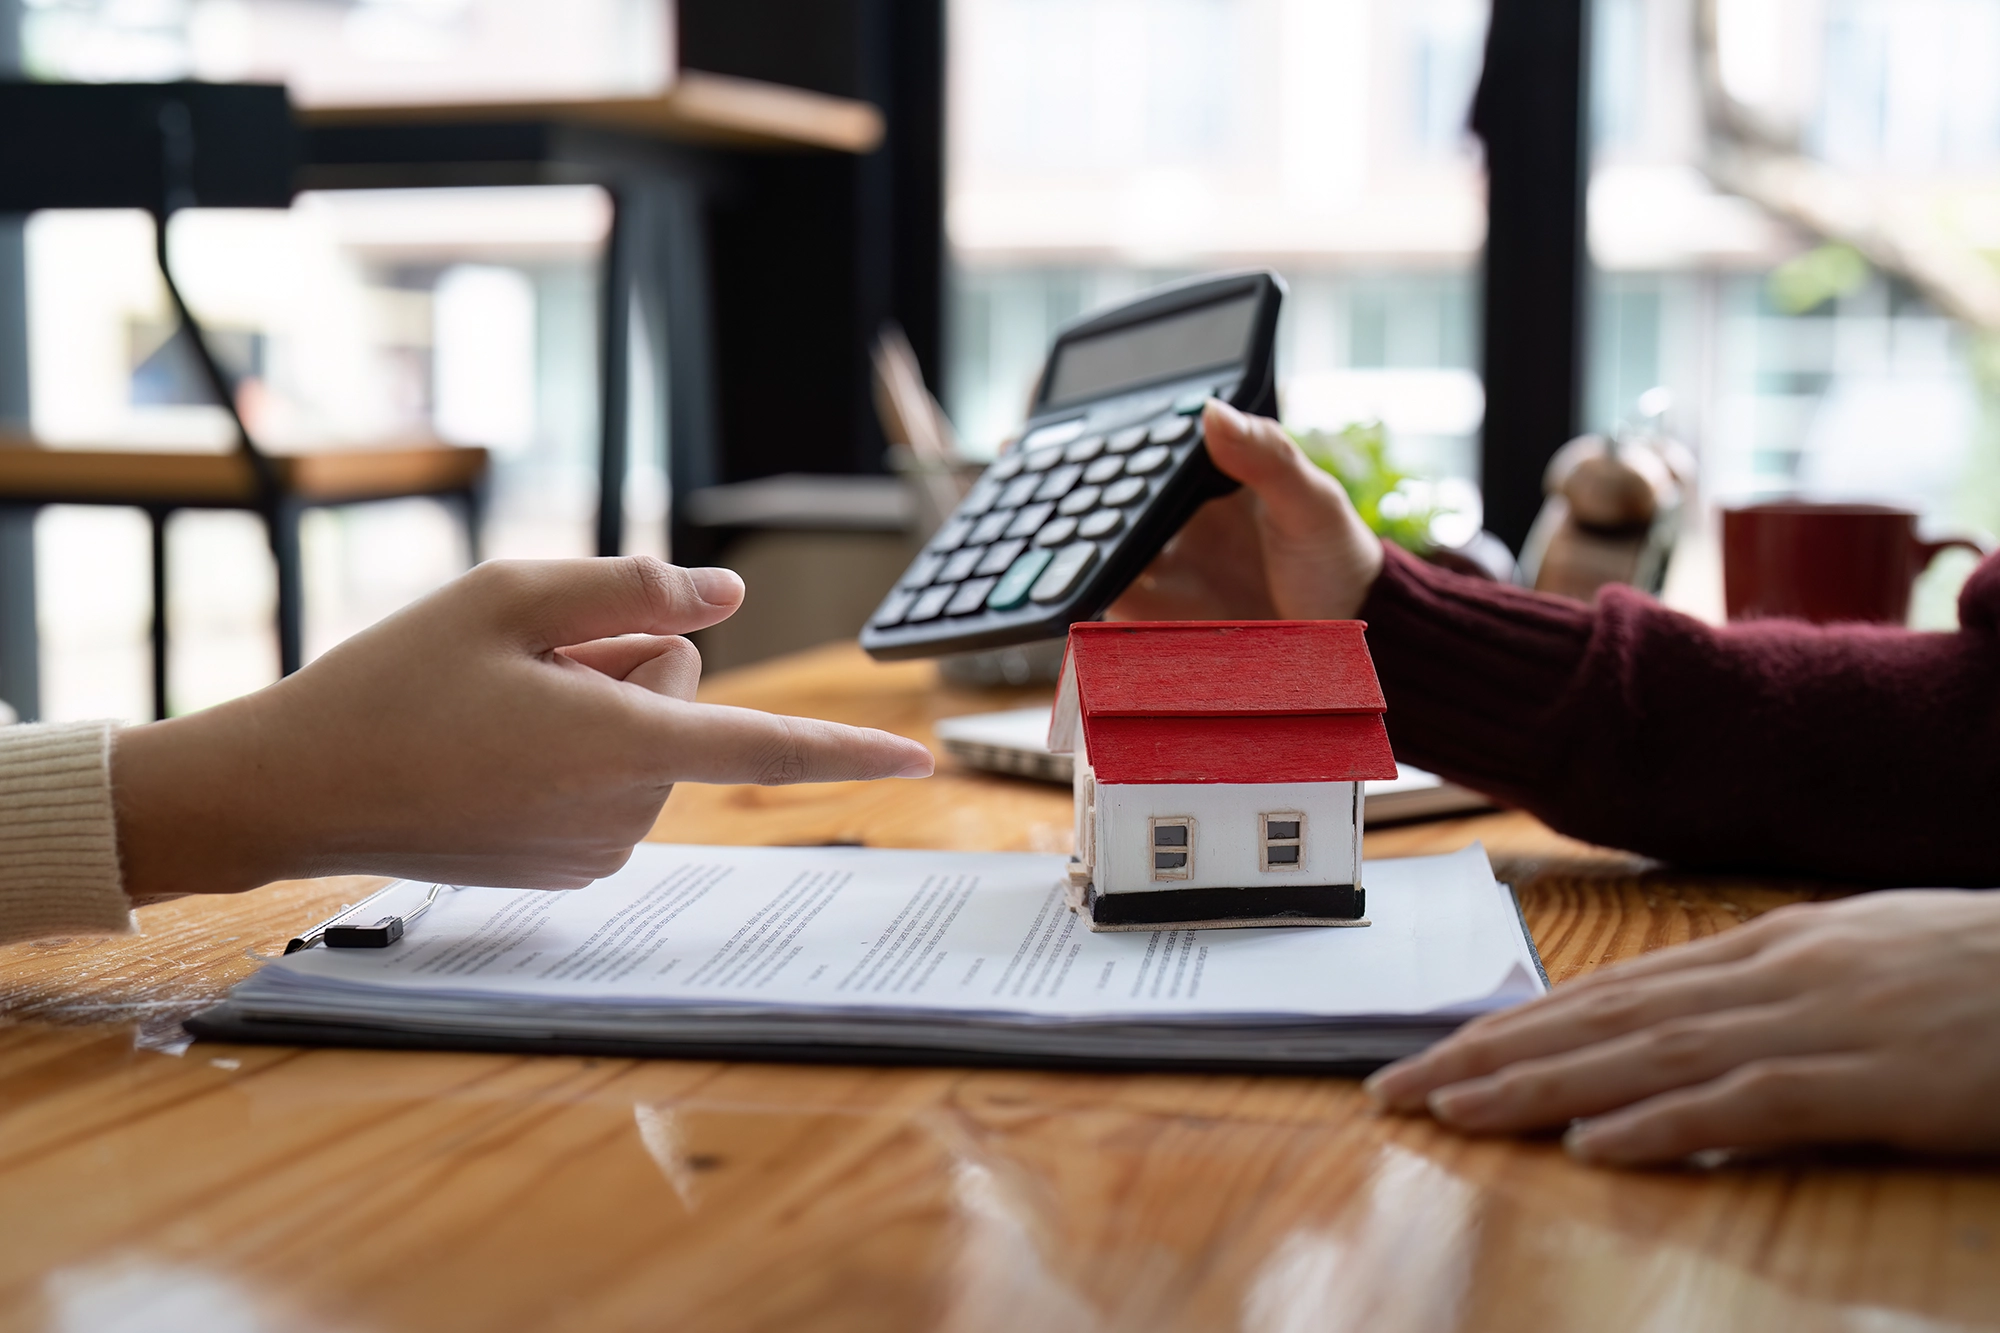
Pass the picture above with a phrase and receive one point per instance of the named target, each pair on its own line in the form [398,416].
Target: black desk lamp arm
[177,191]
[219,382]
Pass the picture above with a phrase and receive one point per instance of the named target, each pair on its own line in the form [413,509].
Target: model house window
[1173,848]
[1283,839]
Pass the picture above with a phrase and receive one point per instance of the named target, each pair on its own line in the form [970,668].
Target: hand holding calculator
[1109,466]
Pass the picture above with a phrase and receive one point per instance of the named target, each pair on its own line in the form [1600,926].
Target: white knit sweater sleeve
[58,843]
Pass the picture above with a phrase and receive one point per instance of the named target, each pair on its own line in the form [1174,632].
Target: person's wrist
[198,809]
[1366,560]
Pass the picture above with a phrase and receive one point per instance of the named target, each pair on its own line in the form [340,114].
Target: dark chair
[162,148]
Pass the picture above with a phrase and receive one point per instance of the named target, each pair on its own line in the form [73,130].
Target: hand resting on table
[519,727]
[1872,1020]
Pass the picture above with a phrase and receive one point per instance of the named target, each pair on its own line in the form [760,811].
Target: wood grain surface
[149,1184]
[34,473]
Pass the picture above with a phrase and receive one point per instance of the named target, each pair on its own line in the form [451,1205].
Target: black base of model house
[1267,905]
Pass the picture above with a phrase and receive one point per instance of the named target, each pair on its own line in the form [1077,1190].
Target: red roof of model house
[1223,701]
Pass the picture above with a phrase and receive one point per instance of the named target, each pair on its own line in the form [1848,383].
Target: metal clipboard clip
[337,933]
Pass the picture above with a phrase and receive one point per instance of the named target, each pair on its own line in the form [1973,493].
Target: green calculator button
[1064,571]
[1012,589]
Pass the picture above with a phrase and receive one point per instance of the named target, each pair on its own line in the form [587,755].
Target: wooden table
[211,1187]
[697,108]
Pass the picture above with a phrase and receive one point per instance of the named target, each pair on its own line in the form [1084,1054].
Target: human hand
[519,727]
[1872,1020]
[1287,546]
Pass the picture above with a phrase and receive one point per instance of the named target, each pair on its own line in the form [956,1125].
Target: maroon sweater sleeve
[1850,752]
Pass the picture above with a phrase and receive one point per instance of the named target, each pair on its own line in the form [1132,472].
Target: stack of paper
[858,954]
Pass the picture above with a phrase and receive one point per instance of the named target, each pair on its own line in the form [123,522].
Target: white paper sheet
[860,931]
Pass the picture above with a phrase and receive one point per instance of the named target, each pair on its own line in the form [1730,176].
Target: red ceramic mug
[1824,562]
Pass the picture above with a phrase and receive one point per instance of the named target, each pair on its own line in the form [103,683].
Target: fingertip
[717,586]
[1457,1104]
[896,756]
[674,670]
[1216,413]
[723,744]
[552,604]
[918,761]
[1626,1139]
[1399,1087]
[1584,1142]
[1253,450]
[1477,1106]
[1226,434]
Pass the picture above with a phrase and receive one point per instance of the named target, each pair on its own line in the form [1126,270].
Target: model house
[1218,771]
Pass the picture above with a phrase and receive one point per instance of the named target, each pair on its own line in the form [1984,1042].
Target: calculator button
[1085,449]
[930,605]
[1104,469]
[893,608]
[990,528]
[1043,459]
[984,496]
[1190,404]
[1125,441]
[1171,431]
[922,571]
[970,597]
[1028,520]
[1121,493]
[1012,589]
[1005,466]
[1150,459]
[1080,501]
[1101,524]
[1019,492]
[961,565]
[1061,432]
[999,557]
[1063,572]
[1056,485]
[952,535]
[1056,531]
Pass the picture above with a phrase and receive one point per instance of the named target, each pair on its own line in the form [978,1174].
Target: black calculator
[1109,465]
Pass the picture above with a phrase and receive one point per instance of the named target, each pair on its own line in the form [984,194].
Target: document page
[823,930]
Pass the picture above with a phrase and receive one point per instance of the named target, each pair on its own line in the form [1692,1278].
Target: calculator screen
[1211,336]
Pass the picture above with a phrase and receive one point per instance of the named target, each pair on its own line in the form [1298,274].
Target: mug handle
[1929,551]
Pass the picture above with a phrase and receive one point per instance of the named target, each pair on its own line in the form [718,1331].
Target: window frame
[1265,842]
[1168,874]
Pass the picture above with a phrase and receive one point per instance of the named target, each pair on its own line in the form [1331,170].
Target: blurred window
[1794,364]
[1099,147]
[356,51]
[353,316]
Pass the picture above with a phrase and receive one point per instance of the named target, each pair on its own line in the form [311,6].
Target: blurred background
[1772,219]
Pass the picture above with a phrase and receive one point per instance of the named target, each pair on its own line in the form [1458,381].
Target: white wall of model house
[1115,823]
